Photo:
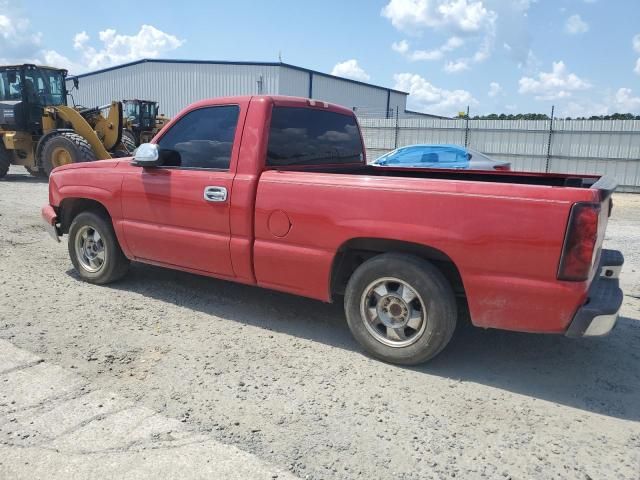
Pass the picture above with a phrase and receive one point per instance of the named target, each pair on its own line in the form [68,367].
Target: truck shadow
[595,375]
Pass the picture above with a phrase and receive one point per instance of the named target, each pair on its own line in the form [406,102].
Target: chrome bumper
[599,314]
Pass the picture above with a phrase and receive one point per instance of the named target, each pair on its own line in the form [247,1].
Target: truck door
[178,214]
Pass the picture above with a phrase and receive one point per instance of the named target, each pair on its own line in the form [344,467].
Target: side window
[307,136]
[203,138]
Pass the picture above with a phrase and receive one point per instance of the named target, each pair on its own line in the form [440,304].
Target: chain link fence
[609,147]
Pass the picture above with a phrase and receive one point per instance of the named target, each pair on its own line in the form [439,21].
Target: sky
[495,56]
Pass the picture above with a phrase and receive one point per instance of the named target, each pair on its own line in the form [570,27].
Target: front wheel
[94,249]
[64,148]
[400,308]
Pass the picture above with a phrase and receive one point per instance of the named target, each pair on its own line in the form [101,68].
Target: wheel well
[70,207]
[356,251]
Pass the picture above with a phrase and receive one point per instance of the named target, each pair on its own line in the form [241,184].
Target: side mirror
[147,155]
[76,82]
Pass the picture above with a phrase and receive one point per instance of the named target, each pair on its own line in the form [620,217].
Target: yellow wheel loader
[141,121]
[40,131]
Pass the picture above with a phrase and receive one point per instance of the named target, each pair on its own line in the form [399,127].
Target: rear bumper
[599,314]
[50,219]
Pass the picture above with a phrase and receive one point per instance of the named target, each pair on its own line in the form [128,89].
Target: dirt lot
[280,376]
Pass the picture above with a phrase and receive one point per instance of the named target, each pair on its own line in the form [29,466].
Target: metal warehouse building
[177,83]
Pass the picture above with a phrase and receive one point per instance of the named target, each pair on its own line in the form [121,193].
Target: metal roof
[225,62]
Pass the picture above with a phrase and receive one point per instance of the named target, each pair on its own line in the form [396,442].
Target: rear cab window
[308,137]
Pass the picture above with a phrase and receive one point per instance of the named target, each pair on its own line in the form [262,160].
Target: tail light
[580,242]
[505,167]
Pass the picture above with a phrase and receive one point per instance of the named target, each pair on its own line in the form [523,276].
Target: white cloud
[116,48]
[350,69]
[413,15]
[625,102]
[622,100]
[17,39]
[494,89]
[457,66]
[583,108]
[576,25]
[431,99]
[403,48]
[558,83]
[460,19]
[636,47]
[55,59]
[19,43]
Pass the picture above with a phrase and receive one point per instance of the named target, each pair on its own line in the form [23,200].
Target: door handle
[215,194]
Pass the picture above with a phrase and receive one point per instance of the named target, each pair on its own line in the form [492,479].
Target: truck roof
[278,100]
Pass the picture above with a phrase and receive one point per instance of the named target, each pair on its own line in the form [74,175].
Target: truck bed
[521,178]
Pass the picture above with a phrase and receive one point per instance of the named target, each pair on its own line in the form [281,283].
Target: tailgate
[606,186]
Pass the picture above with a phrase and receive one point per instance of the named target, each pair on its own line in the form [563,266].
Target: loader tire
[65,148]
[129,141]
[36,172]
[5,160]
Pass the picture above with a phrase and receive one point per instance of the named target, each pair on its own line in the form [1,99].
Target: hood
[111,163]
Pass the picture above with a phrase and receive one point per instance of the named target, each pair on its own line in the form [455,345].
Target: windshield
[149,110]
[43,86]
[131,110]
[417,154]
[10,84]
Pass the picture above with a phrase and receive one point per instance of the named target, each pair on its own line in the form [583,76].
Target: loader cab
[25,90]
[140,114]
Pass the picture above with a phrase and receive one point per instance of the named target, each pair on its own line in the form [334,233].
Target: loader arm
[109,128]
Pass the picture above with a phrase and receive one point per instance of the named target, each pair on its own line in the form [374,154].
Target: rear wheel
[400,308]
[65,148]
[94,249]
[5,160]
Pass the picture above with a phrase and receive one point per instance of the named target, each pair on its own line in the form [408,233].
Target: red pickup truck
[276,192]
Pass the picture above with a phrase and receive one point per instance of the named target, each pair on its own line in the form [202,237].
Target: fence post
[546,167]
[395,143]
[466,129]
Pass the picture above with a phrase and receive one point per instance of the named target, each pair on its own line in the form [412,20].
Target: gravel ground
[280,376]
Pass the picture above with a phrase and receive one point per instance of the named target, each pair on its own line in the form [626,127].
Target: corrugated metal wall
[397,100]
[293,82]
[610,147]
[175,85]
[348,94]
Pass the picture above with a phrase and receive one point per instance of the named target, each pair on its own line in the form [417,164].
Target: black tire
[115,265]
[434,297]
[129,141]
[5,160]
[36,172]
[77,148]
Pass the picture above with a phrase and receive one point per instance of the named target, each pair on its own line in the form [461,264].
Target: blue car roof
[447,145]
